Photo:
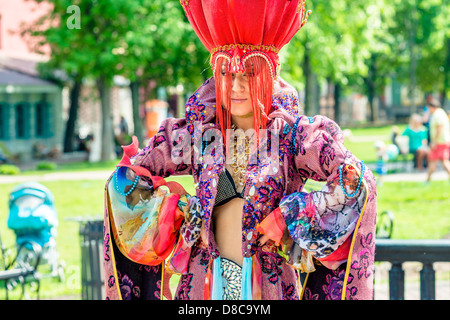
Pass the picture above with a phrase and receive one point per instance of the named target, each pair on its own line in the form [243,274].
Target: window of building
[43,117]
[23,120]
[4,120]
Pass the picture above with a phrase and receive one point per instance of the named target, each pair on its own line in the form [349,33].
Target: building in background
[33,111]
[30,107]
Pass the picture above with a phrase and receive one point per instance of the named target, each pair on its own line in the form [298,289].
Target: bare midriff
[227,224]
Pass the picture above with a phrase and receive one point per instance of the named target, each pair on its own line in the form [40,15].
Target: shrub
[46,165]
[9,169]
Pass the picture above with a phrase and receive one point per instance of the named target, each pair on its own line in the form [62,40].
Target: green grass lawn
[72,199]
[421,212]
[77,166]
[362,143]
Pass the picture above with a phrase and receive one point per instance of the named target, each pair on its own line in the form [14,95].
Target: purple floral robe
[319,222]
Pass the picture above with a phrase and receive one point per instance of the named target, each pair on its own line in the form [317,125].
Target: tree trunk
[137,120]
[371,90]
[337,102]
[411,27]
[311,94]
[446,73]
[73,116]
[107,131]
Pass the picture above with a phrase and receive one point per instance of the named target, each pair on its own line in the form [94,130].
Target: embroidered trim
[305,19]
[263,55]
[222,53]
[113,258]
[294,135]
[350,252]
[244,46]
[184,3]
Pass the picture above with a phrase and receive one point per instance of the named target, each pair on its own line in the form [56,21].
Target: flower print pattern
[327,152]
[157,293]
[184,287]
[364,266]
[332,128]
[271,265]
[200,255]
[334,284]
[195,111]
[154,269]
[106,247]
[288,291]
[285,145]
[250,217]
[111,281]
[308,295]
[191,228]
[270,192]
[181,167]
[300,137]
[158,139]
[314,175]
[206,196]
[127,288]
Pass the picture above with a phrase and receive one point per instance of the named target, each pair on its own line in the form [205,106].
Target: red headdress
[242,33]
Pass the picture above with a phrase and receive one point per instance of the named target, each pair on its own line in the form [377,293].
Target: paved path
[415,176]
[54,176]
[381,286]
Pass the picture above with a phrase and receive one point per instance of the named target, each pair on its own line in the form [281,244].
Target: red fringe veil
[261,88]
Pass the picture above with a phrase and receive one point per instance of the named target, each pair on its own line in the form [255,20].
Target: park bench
[21,271]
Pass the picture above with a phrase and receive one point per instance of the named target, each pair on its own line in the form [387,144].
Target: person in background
[417,140]
[439,138]
[426,119]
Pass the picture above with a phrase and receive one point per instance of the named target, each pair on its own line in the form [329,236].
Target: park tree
[377,45]
[421,31]
[84,37]
[141,40]
[433,67]
[66,66]
[359,45]
[328,48]
[161,48]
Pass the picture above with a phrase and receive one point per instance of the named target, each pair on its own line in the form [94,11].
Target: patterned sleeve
[169,151]
[320,222]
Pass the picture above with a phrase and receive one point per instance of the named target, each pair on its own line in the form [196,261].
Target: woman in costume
[258,227]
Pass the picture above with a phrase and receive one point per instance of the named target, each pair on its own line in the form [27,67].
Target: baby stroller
[33,218]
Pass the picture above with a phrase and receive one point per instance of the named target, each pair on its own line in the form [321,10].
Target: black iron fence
[426,252]
[91,241]
[394,251]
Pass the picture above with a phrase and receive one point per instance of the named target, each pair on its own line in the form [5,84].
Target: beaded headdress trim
[237,57]
[245,47]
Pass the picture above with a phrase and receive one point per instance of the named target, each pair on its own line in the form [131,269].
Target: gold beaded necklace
[240,154]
